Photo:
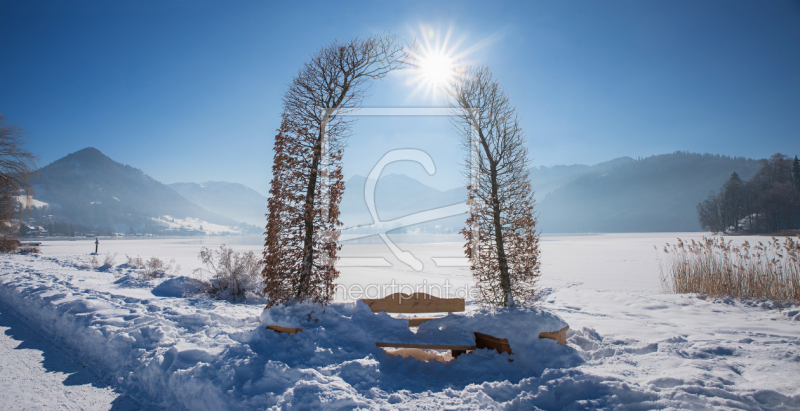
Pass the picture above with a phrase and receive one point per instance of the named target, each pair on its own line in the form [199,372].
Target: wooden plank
[284,329]
[417,354]
[426,346]
[560,336]
[415,303]
[493,343]
[415,322]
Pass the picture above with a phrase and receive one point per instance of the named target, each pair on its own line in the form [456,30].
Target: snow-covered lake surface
[630,346]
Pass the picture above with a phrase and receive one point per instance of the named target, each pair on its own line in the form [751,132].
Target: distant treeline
[769,202]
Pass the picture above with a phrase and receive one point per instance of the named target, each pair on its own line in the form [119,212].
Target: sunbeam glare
[436,60]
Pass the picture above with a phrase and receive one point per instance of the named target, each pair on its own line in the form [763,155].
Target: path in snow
[35,374]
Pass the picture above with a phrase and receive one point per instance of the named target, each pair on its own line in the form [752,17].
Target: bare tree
[302,227]
[502,241]
[709,214]
[16,167]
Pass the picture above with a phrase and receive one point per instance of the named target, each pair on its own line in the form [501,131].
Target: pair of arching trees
[302,232]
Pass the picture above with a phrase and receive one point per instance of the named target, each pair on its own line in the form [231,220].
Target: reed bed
[717,268]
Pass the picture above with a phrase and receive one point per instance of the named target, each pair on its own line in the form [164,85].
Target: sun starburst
[436,60]
[439,60]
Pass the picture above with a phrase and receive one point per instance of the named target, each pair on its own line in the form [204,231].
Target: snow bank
[520,326]
[202,354]
[356,328]
[198,354]
[173,287]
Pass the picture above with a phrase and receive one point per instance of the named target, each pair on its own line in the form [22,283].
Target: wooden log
[417,354]
[560,336]
[493,343]
[415,322]
[426,346]
[415,303]
[287,330]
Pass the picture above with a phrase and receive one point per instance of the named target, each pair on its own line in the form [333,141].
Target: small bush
[28,249]
[234,276]
[152,268]
[134,262]
[717,268]
[8,244]
[110,260]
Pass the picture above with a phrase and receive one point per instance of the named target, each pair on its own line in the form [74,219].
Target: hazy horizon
[416,174]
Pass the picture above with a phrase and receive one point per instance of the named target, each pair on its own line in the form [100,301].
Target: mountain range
[657,193]
[653,194]
[233,200]
[88,188]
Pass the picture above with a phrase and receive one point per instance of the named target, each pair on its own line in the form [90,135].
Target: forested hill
[658,193]
[89,188]
[545,180]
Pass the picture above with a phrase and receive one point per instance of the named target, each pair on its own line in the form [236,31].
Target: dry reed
[717,268]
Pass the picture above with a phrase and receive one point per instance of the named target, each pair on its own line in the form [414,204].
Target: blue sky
[190,90]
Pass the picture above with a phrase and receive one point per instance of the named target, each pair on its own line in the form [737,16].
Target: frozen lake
[601,262]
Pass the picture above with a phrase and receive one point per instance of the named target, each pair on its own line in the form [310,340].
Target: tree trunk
[502,262]
[308,240]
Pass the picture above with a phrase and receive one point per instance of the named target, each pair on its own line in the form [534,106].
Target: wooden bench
[455,350]
[501,345]
[560,336]
[417,303]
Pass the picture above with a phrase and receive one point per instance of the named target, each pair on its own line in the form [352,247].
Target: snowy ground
[36,374]
[629,345]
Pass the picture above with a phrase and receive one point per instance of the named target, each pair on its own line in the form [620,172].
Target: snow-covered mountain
[91,189]
[233,200]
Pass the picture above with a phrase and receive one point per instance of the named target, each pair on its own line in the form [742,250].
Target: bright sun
[436,68]
[437,57]
[434,57]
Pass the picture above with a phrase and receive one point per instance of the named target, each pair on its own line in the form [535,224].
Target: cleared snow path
[35,374]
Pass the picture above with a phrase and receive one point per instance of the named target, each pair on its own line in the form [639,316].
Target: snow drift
[203,354]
